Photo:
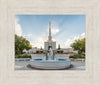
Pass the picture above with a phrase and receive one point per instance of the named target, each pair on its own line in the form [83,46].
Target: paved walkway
[76,65]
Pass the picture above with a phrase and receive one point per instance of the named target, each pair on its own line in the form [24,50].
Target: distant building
[68,50]
[25,51]
[33,50]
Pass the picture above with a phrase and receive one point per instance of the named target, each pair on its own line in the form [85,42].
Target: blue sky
[65,28]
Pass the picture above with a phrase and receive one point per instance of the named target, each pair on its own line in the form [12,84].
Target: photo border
[38,77]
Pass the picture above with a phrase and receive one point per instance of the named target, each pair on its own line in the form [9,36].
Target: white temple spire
[49,43]
[49,37]
[49,28]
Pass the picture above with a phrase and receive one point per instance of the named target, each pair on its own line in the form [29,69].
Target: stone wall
[60,56]
[36,56]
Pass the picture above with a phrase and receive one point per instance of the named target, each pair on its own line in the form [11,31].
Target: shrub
[41,51]
[73,56]
[22,56]
[37,51]
[83,56]
[77,56]
[59,51]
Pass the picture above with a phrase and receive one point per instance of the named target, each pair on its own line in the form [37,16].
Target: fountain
[50,61]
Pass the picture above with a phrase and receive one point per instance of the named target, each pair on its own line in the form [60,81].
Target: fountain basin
[50,64]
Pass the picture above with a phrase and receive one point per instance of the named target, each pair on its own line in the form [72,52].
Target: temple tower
[49,37]
[49,44]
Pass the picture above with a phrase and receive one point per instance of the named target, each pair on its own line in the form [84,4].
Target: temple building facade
[49,43]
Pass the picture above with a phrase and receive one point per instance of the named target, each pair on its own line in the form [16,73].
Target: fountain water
[50,61]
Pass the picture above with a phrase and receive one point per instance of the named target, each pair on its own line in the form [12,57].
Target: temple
[49,43]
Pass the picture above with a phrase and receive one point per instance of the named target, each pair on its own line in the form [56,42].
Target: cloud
[18,29]
[82,35]
[70,41]
[27,35]
[54,31]
[38,43]
[37,40]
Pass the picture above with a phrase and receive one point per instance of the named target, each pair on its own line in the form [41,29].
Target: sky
[65,29]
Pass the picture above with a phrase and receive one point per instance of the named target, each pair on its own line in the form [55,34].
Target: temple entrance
[49,47]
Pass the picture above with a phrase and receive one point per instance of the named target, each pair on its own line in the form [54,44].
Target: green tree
[20,44]
[59,47]
[41,48]
[79,45]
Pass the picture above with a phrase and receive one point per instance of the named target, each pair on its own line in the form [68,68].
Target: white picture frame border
[39,77]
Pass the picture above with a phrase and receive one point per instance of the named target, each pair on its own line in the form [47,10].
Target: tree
[59,47]
[41,48]
[20,44]
[79,45]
